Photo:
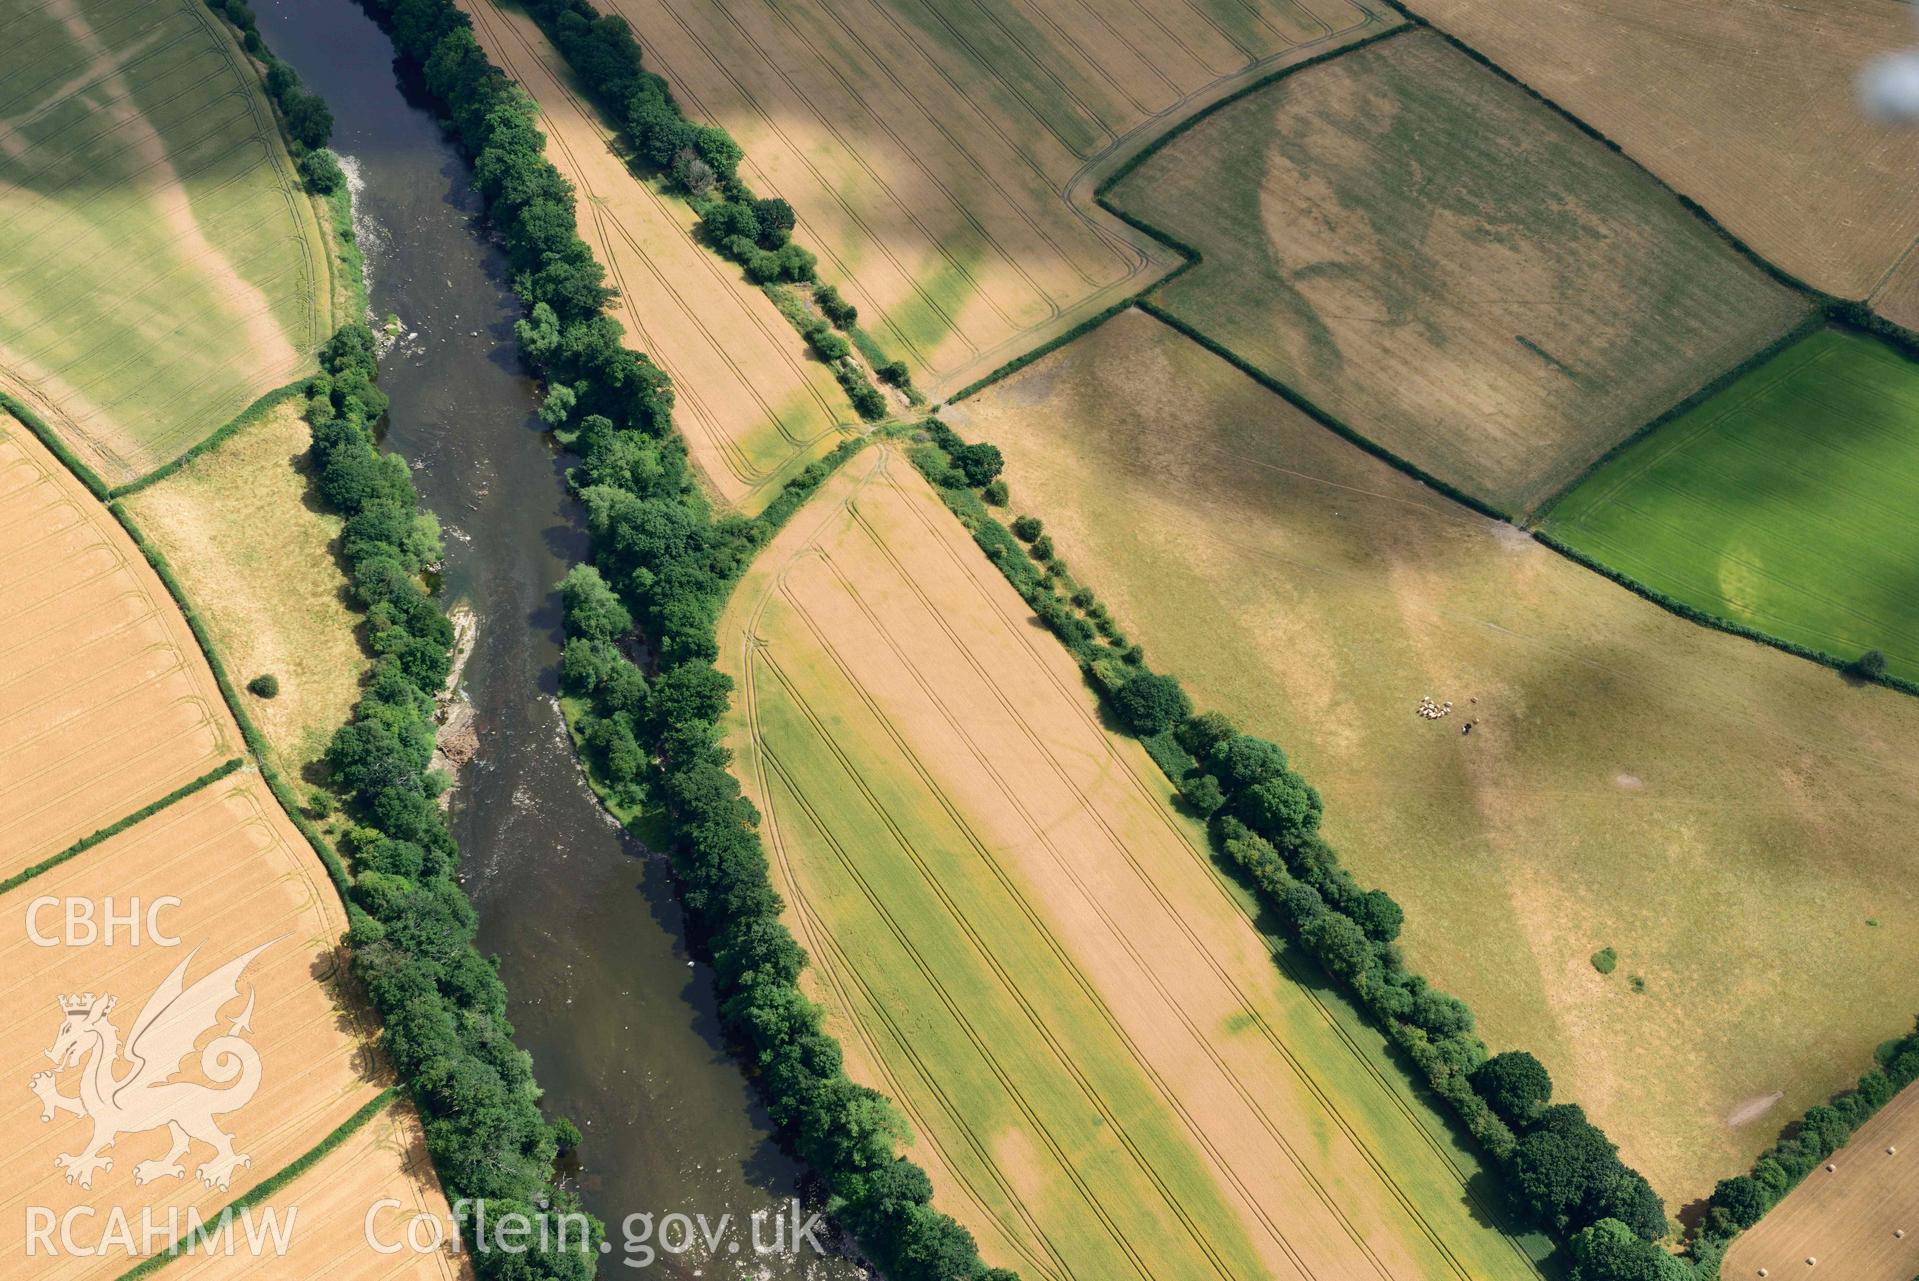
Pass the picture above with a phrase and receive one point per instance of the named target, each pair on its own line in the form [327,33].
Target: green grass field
[1733,821]
[1788,502]
[160,267]
[1457,273]
[1019,940]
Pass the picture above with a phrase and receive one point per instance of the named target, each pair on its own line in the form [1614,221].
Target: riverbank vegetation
[667,561]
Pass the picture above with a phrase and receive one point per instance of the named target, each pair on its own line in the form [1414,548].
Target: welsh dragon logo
[128,1089]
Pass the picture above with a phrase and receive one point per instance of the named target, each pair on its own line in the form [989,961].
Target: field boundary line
[1812,323]
[239,422]
[55,446]
[256,743]
[113,829]
[266,1187]
[1147,148]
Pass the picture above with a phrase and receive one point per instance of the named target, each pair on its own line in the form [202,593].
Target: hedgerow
[1562,1172]
[702,162]
[662,564]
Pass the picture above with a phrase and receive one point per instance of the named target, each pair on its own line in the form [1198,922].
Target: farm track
[952,808]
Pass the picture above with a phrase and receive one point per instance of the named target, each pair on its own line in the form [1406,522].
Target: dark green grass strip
[245,418]
[255,741]
[86,843]
[266,1188]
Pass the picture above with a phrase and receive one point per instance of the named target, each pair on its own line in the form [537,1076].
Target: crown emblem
[80,1004]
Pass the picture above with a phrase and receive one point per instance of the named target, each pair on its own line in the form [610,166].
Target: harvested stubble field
[329,1204]
[943,157]
[105,703]
[1020,941]
[1748,109]
[160,266]
[244,878]
[754,404]
[256,555]
[1789,501]
[1732,820]
[1449,267]
[1846,1217]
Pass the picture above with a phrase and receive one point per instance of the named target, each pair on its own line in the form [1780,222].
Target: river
[620,1021]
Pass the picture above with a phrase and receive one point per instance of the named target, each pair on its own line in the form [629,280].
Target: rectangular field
[105,702]
[1020,941]
[943,157]
[160,265]
[257,557]
[1846,1217]
[1788,502]
[755,405]
[1734,821]
[1748,108]
[1453,270]
[244,879]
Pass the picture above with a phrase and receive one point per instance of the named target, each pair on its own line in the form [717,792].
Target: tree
[1339,943]
[1027,528]
[1515,1085]
[1284,809]
[309,121]
[1244,760]
[1203,793]
[1378,915]
[266,685]
[1870,665]
[776,219]
[559,403]
[1609,1251]
[593,611]
[1150,703]
[978,463]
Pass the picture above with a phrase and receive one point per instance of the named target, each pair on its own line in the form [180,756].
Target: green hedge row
[1693,614]
[1739,1202]
[55,446]
[1562,1171]
[306,122]
[264,1189]
[663,564]
[92,839]
[253,413]
[702,162]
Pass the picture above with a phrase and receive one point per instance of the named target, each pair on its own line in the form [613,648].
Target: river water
[620,1022]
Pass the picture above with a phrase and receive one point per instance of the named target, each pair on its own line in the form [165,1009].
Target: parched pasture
[160,266]
[1733,821]
[244,877]
[105,703]
[1856,1219]
[942,158]
[257,557]
[1788,502]
[1019,940]
[329,1206]
[754,404]
[1447,266]
[1749,109]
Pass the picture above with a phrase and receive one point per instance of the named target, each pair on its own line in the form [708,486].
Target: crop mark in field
[1087,804]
